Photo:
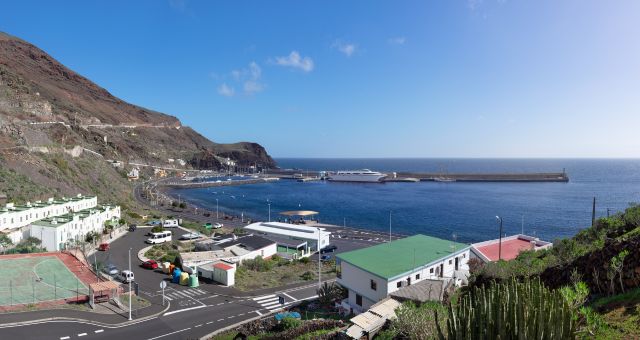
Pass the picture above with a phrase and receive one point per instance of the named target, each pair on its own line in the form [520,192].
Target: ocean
[465,211]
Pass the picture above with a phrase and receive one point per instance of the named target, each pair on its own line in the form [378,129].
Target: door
[456,264]
[441,269]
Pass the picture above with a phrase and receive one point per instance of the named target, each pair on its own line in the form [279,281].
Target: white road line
[230,317]
[221,303]
[258,312]
[294,299]
[210,322]
[183,310]
[65,338]
[241,314]
[82,334]
[196,326]
[220,320]
[99,331]
[264,297]
[162,336]
[168,298]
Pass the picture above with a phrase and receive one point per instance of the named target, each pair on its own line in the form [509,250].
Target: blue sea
[468,210]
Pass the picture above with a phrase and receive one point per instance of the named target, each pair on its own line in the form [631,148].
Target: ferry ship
[364,175]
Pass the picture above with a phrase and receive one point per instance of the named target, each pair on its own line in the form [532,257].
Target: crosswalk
[269,302]
[184,294]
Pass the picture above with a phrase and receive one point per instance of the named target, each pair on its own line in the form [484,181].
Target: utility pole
[319,262]
[500,240]
[130,296]
[593,212]
[522,226]
[389,226]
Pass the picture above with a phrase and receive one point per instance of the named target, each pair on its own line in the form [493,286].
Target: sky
[467,78]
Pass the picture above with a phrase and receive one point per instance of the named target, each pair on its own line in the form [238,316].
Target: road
[193,312]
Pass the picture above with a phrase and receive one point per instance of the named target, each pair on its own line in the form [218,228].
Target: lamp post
[269,204]
[130,296]
[217,209]
[319,262]
[499,219]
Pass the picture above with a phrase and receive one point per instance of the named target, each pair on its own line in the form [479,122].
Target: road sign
[281,300]
[163,284]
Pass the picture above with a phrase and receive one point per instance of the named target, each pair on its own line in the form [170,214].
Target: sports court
[37,278]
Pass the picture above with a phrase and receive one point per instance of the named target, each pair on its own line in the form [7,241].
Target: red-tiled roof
[222,266]
[510,249]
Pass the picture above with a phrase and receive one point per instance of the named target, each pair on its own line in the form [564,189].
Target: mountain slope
[46,108]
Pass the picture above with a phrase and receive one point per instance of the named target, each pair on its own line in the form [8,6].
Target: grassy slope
[621,314]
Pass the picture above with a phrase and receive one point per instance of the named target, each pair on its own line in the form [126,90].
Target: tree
[91,237]
[617,263]
[329,292]
[5,241]
[418,322]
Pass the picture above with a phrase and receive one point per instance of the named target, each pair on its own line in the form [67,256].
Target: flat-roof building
[492,250]
[371,274]
[304,238]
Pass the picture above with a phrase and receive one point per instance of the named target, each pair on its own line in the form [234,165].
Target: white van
[160,237]
[126,276]
[170,224]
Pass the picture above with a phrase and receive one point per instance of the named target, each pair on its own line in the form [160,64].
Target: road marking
[82,334]
[196,326]
[241,314]
[221,303]
[220,320]
[260,298]
[230,317]
[182,310]
[162,336]
[258,312]
[294,299]
[210,322]
[99,331]
[65,338]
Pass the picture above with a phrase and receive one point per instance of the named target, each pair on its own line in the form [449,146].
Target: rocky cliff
[46,108]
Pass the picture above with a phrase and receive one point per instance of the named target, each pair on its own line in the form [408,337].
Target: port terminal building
[372,274]
[294,239]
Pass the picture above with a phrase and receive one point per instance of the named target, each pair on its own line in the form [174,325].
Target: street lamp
[217,209]
[319,262]
[499,219]
[130,296]
[269,204]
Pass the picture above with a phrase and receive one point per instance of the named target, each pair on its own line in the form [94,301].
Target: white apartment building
[15,219]
[59,231]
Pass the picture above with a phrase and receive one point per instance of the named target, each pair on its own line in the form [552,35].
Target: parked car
[190,236]
[103,247]
[154,223]
[217,225]
[111,269]
[126,276]
[329,249]
[151,264]
[325,257]
[133,227]
[170,224]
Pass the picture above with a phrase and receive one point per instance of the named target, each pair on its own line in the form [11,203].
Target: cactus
[511,310]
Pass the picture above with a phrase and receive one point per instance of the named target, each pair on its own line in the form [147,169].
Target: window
[359,300]
[464,255]
[409,281]
[398,284]
[417,276]
[374,285]
[430,270]
[450,261]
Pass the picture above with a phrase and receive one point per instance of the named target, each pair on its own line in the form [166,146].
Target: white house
[371,274]
[15,219]
[220,271]
[307,237]
[57,232]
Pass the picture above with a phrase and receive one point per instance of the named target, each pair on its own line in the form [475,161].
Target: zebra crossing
[269,302]
[184,294]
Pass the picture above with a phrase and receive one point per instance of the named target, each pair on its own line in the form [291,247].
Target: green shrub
[304,260]
[258,264]
[290,323]
[307,276]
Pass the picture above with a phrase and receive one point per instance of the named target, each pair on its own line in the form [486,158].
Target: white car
[111,269]
[190,236]
[217,225]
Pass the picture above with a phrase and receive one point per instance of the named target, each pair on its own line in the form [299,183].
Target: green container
[193,280]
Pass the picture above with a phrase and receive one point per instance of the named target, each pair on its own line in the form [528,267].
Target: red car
[151,264]
[103,247]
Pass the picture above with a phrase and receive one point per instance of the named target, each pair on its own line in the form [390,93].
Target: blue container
[176,275]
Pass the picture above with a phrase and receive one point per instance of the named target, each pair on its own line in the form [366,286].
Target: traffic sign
[163,284]
[281,300]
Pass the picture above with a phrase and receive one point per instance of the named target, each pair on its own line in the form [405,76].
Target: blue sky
[481,78]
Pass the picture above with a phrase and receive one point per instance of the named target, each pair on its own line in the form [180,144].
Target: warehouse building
[301,239]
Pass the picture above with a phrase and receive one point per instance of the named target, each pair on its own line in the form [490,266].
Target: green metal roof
[389,260]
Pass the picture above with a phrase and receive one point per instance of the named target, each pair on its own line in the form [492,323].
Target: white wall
[15,219]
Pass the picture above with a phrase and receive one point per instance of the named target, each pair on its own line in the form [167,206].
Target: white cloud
[296,61]
[226,90]
[397,40]
[346,48]
[248,78]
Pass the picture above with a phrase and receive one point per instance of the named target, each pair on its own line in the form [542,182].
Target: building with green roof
[371,274]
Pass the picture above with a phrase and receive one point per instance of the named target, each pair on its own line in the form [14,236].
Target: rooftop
[61,220]
[293,230]
[511,247]
[249,242]
[389,260]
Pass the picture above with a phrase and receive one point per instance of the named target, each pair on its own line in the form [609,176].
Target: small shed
[221,272]
[103,292]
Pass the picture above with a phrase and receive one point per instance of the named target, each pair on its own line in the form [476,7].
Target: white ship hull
[357,178]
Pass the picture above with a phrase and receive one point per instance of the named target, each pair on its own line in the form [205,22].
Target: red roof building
[489,251]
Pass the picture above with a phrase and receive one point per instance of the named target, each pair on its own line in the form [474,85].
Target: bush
[157,229]
[258,264]
[307,276]
[290,323]
[418,322]
[304,260]
[182,205]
